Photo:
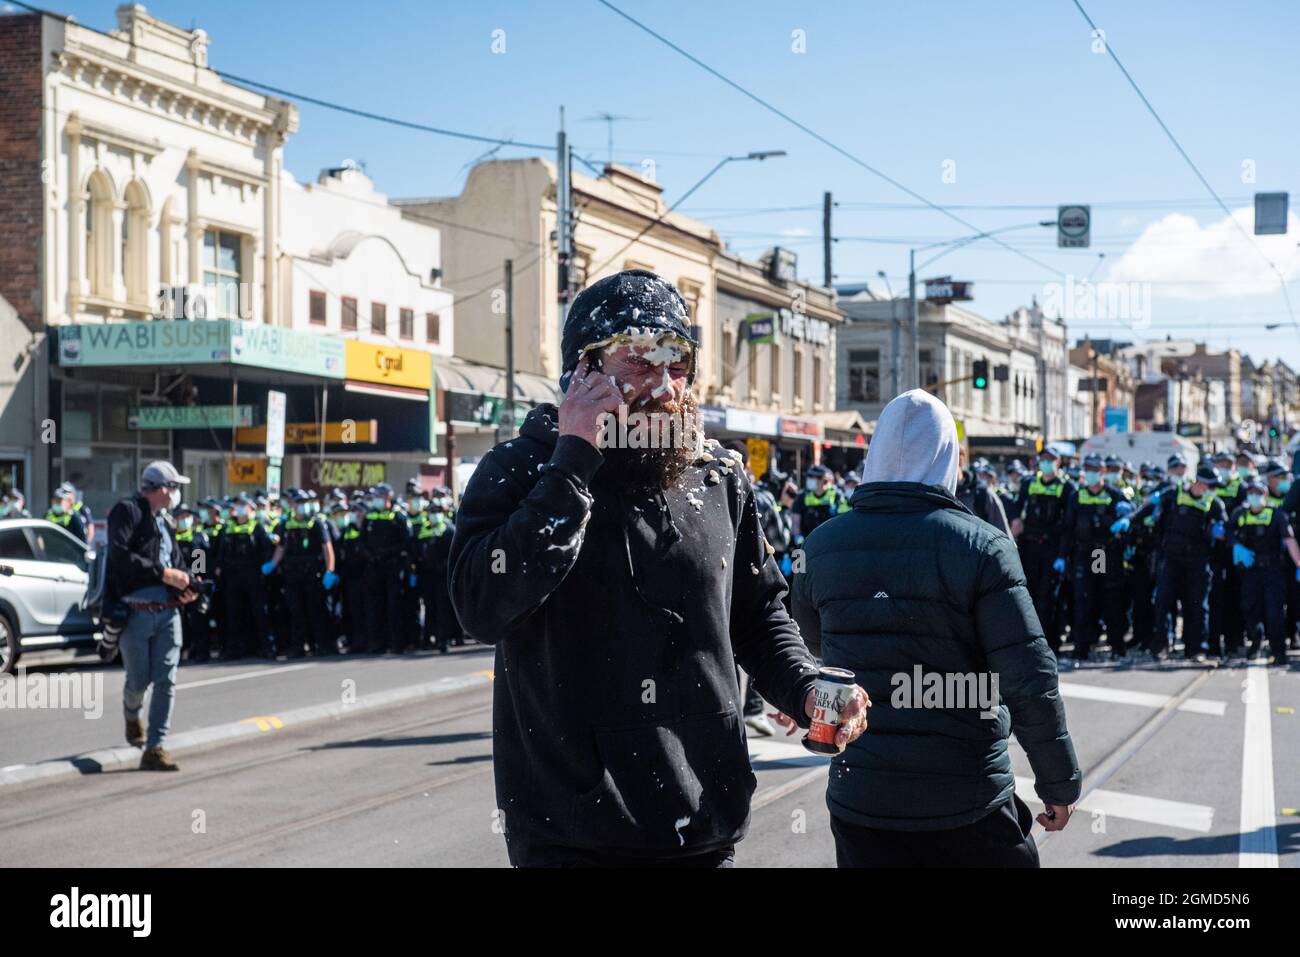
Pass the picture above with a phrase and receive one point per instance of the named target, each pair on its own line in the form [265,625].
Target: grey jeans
[151,651]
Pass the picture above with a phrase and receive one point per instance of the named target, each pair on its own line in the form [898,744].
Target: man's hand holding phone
[590,394]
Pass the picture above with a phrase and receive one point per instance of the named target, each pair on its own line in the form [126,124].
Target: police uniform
[303,566]
[1185,528]
[1264,582]
[350,562]
[814,508]
[387,537]
[74,521]
[242,549]
[1041,509]
[1094,559]
[433,536]
[1225,587]
[195,549]
[1141,565]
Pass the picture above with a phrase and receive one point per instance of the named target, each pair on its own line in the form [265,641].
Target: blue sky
[979,105]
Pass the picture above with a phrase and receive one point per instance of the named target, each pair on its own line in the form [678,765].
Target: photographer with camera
[146,586]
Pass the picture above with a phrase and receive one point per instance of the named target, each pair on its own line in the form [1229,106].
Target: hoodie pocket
[668,786]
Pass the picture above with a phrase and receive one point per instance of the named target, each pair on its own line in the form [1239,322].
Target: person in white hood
[907,588]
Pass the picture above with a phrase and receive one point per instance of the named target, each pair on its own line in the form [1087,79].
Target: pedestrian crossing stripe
[1146,699]
[1133,807]
[264,722]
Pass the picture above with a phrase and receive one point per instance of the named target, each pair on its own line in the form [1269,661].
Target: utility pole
[563,223]
[913,320]
[829,276]
[507,419]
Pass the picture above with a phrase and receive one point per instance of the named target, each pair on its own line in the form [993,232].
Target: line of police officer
[285,577]
[1111,548]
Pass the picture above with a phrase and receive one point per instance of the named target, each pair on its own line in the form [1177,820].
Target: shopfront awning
[462,375]
[845,427]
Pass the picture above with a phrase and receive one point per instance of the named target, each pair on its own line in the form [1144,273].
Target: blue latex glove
[329,580]
[1123,508]
[268,568]
[1119,526]
[411,579]
[1129,552]
[1216,530]
[1058,566]
[1297,574]
[787,566]
[1241,555]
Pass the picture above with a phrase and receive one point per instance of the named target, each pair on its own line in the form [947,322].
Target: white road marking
[1146,699]
[1258,846]
[1133,807]
[776,751]
[278,670]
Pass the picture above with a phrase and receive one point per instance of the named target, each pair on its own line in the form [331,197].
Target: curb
[125,757]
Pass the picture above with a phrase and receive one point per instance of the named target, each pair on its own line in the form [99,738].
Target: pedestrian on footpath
[910,584]
[144,573]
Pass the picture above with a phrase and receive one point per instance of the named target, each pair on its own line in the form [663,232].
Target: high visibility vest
[1229,490]
[58,519]
[1087,498]
[1039,487]
[1202,503]
[1265,517]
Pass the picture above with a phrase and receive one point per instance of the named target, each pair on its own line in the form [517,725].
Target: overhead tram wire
[315,101]
[1110,50]
[858,161]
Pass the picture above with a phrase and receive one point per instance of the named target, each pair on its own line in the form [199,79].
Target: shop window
[864,375]
[431,328]
[406,323]
[378,319]
[728,356]
[135,237]
[349,320]
[222,271]
[926,370]
[316,307]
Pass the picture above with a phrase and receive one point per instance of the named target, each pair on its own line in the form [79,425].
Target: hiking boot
[134,732]
[157,759]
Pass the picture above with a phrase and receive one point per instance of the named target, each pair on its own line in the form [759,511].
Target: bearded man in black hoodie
[620,584]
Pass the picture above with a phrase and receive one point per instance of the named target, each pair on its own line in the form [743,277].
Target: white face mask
[377,503]
[174,498]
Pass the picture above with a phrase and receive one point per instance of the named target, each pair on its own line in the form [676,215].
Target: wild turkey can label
[831,695]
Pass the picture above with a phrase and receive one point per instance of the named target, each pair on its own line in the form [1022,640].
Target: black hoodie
[617,620]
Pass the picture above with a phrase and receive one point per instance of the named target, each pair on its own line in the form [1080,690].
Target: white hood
[915,441]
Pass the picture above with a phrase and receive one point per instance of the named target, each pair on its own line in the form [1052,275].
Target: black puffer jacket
[911,578]
[617,621]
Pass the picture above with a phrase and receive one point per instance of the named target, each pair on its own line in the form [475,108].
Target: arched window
[99,234]
[135,235]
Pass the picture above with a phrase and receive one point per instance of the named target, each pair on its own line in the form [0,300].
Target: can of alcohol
[831,695]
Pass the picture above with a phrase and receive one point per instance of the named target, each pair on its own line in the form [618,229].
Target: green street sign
[190,417]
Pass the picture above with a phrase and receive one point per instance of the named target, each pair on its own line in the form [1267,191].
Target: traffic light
[981,373]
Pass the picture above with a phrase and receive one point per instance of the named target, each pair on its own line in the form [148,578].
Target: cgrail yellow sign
[388,365]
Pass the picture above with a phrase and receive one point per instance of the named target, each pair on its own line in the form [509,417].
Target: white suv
[44,571]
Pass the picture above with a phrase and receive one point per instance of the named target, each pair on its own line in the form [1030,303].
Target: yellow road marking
[264,722]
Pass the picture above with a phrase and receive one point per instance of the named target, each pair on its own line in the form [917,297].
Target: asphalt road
[1178,760]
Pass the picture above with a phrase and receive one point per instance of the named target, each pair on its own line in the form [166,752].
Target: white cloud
[1191,261]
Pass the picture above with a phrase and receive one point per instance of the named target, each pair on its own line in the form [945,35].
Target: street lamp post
[912,310]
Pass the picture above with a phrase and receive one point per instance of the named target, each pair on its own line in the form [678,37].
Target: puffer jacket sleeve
[1017,653]
[514,545]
